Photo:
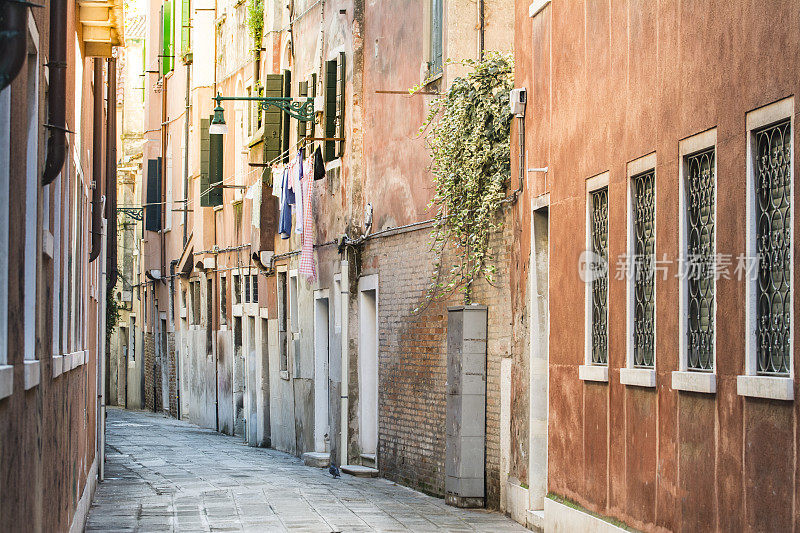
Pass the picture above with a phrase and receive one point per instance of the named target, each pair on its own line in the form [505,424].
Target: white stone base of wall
[82,510]
[517,499]
[560,517]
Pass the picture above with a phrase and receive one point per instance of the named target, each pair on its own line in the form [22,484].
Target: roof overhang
[102,26]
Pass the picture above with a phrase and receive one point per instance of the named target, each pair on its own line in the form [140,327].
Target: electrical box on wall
[518,99]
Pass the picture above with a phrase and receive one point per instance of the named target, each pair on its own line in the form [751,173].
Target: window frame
[590,371]
[684,379]
[631,374]
[6,370]
[750,382]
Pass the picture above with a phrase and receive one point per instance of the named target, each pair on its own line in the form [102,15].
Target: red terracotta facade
[608,83]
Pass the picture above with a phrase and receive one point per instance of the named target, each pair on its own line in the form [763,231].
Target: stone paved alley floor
[166,475]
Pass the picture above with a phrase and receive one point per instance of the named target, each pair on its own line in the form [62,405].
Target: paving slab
[164,474]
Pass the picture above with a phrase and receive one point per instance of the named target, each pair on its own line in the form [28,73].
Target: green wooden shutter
[166,37]
[152,210]
[330,109]
[215,170]
[340,104]
[312,93]
[287,92]
[186,25]
[205,157]
[272,117]
[301,125]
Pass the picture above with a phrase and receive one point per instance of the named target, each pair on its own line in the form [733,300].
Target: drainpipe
[345,405]
[97,160]
[185,202]
[14,28]
[172,265]
[101,359]
[56,96]
[111,173]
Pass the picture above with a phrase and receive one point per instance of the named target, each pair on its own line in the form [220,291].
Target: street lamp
[218,126]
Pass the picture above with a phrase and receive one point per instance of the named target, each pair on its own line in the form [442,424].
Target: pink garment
[307,266]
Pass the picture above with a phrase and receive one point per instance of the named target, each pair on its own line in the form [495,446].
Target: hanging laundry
[287,199]
[319,165]
[307,266]
[295,175]
[256,209]
[277,182]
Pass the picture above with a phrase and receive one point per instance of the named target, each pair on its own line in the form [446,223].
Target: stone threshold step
[360,471]
[317,459]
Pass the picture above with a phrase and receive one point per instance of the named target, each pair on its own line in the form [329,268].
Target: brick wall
[149,377]
[173,374]
[413,361]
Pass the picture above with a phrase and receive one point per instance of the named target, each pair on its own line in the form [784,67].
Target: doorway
[321,372]
[368,369]
[539,355]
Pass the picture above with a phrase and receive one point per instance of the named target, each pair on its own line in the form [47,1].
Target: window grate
[644,283]
[701,197]
[599,221]
[774,248]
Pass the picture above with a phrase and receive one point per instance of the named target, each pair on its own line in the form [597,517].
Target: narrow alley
[163,474]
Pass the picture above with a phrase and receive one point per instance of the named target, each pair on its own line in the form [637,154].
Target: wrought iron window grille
[643,265]
[701,248]
[599,242]
[773,199]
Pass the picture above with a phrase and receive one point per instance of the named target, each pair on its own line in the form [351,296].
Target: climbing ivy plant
[255,21]
[468,130]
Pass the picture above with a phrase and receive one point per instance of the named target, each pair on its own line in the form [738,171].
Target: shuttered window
[272,116]
[287,92]
[340,79]
[186,25]
[331,72]
[152,220]
[210,166]
[167,49]
[301,125]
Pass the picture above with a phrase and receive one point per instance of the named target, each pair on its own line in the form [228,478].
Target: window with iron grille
[701,249]
[773,203]
[223,300]
[644,243]
[283,322]
[599,227]
[247,289]
[255,288]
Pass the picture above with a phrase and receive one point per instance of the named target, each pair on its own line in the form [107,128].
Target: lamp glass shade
[218,129]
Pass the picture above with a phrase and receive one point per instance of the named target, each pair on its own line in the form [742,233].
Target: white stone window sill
[47,243]
[638,377]
[32,373]
[237,310]
[772,387]
[285,374]
[6,381]
[263,312]
[76,359]
[705,382]
[593,373]
[58,365]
